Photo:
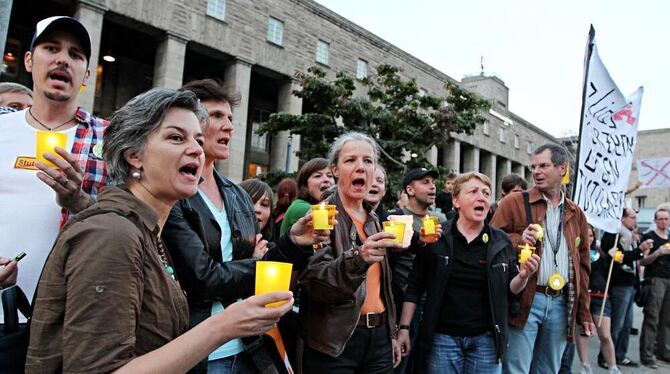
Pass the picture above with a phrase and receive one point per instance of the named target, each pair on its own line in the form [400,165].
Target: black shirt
[444,202]
[621,277]
[661,266]
[466,310]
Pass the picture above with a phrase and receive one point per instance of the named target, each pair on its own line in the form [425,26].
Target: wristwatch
[403,327]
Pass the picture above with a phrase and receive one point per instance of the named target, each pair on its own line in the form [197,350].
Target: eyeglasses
[543,166]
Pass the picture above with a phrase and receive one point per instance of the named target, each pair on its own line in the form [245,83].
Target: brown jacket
[333,287]
[104,296]
[511,218]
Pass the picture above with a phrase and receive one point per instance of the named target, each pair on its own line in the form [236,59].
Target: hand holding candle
[46,141]
[618,256]
[429,232]
[396,228]
[323,216]
[273,276]
[526,251]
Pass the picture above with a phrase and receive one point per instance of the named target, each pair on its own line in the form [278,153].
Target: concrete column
[237,77]
[452,155]
[431,155]
[519,169]
[489,169]
[503,167]
[5,13]
[169,66]
[286,103]
[471,159]
[91,16]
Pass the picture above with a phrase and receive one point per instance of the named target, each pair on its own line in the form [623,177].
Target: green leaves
[405,121]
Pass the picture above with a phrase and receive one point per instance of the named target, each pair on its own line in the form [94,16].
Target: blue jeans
[467,355]
[568,358]
[239,363]
[539,345]
[621,299]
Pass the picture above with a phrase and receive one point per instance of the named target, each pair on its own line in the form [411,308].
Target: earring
[136,175]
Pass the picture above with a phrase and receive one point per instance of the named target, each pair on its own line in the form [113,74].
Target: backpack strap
[526,203]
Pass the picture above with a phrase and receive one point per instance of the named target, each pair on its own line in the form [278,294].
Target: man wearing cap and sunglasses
[34,210]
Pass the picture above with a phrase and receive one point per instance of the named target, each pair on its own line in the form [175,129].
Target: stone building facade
[256,47]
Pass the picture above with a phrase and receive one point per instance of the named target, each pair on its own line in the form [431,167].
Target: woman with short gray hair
[107,299]
[347,311]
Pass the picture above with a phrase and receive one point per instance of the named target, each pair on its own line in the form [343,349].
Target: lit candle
[525,254]
[321,217]
[539,231]
[428,226]
[273,276]
[46,142]
[618,256]
[396,228]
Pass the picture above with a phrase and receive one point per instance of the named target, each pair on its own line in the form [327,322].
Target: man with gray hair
[38,198]
[557,296]
[14,96]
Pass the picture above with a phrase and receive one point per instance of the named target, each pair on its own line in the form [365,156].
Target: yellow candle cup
[397,228]
[618,256]
[46,142]
[525,253]
[323,216]
[539,231]
[430,224]
[273,276]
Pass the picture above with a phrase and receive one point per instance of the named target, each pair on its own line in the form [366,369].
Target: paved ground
[633,353]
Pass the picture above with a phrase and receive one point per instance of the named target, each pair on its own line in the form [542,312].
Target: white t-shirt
[29,214]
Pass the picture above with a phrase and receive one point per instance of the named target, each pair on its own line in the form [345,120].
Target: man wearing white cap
[37,199]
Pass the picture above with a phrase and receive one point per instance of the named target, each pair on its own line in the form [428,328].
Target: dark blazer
[430,274]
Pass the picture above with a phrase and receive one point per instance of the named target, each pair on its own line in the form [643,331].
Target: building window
[275,31]
[486,129]
[322,51]
[529,149]
[423,92]
[641,201]
[216,8]
[516,141]
[501,135]
[361,69]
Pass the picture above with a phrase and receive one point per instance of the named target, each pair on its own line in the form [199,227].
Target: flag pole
[587,62]
[607,285]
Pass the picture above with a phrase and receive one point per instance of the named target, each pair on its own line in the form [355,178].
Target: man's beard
[59,98]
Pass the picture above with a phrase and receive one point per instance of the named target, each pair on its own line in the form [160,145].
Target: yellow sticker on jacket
[97,149]
[485,238]
[25,162]
[577,241]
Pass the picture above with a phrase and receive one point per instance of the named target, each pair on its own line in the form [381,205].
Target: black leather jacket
[193,239]
[430,274]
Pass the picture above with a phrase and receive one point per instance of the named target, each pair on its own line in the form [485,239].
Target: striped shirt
[547,265]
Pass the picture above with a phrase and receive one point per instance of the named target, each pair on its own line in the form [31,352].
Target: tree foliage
[405,122]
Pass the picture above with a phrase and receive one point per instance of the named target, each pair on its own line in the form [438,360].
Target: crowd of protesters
[140,256]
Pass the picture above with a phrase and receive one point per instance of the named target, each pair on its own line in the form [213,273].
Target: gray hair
[132,124]
[558,154]
[9,87]
[334,153]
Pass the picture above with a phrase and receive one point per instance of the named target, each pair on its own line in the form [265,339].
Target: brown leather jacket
[333,287]
[511,218]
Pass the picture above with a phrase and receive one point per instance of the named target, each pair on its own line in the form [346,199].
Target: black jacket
[431,274]
[193,239]
[620,277]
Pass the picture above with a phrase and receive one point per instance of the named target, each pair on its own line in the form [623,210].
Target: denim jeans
[538,347]
[568,358]
[464,355]
[621,299]
[237,364]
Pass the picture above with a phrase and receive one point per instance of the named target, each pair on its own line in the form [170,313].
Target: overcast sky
[535,46]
